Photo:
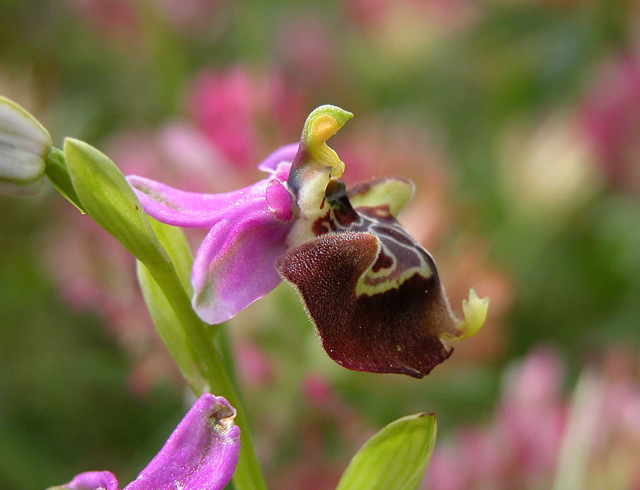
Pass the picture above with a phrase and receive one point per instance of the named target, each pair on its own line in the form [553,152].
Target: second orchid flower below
[372,291]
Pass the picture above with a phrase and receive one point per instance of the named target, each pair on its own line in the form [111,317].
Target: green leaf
[395,458]
[167,323]
[175,243]
[59,176]
[108,198]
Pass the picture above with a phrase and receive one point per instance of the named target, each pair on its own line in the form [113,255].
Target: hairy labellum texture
[372,291]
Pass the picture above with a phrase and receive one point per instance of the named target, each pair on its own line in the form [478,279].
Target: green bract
[395,458]
[107,197]
[24,145]
[164,317]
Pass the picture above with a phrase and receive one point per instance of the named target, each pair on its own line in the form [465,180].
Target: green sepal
[108,198]
[395,458]
[59,176]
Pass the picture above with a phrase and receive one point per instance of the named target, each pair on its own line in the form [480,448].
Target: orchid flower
[372,291]
[201,454]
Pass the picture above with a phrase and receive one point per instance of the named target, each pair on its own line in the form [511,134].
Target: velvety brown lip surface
[396,331]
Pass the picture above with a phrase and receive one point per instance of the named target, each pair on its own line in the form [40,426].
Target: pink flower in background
[194,17]
[531,415]
[537,434]
[236,110]
[611,118]
[112,18]
[305,48]
[253,364]
[471,261]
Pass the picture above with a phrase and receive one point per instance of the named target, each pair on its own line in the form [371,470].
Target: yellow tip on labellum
[475,314]
[322,124]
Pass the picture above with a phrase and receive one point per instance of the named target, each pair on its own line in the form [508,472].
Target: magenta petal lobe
[190,209]
[283,154]
[94,480]
[235,263]
[201,454]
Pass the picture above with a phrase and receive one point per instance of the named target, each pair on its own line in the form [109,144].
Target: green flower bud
[24,146]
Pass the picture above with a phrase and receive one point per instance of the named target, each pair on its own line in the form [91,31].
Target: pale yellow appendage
[475,314]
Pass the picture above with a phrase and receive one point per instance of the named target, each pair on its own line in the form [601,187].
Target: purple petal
[283,154]
[94,480]
[235,264]
[201,454]
[190,209]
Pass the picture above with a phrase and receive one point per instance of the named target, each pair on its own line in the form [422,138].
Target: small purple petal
[201,454]
[279,200]
[94,480]
[190,209]
[235,264]
[283,154]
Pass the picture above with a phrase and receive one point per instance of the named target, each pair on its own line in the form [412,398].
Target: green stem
[248,474]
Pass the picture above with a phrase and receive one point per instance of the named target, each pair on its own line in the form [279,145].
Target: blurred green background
[519,122]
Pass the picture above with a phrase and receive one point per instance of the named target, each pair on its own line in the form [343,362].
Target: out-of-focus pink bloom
[532,415]
[253,364]
[531,442]
[237,110]
[317,389]
[611,118]
[199,17]
[304,46]
[112,18]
